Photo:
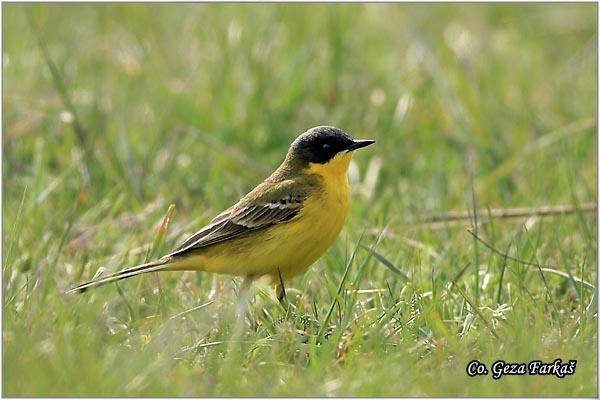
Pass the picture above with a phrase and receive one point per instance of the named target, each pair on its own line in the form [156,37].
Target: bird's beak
[359,143]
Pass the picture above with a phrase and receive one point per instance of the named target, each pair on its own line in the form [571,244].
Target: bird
[280,228]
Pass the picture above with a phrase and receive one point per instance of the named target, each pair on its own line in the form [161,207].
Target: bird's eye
[326,146]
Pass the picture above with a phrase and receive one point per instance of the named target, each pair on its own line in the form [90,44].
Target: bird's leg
[280,288]
[280,293]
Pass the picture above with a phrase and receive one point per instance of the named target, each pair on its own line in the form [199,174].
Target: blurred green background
[113,112]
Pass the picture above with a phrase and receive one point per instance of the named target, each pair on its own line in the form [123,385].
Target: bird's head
[325,150]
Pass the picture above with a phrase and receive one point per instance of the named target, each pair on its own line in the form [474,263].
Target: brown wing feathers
[256,211]
[242,221]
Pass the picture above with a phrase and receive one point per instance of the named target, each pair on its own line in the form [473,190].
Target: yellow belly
[290,247]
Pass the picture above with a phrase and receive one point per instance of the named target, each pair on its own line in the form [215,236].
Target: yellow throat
[335,169]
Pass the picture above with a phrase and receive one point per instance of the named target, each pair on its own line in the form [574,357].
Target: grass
[473,106]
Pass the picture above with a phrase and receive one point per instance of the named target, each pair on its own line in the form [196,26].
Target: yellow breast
[331,203]
[322,217]
[293,246]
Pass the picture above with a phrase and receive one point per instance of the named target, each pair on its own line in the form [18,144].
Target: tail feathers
[152,266]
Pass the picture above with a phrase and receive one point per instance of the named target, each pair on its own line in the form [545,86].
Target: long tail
[152,266]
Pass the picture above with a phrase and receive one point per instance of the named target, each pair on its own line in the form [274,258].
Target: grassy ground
[473,107]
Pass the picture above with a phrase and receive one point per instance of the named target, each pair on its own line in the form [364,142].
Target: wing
[267,205]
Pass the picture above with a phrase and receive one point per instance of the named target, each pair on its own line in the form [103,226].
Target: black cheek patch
[322,145]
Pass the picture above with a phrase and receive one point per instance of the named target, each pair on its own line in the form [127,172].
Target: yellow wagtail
[281,227]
